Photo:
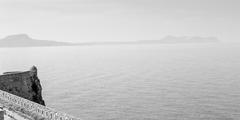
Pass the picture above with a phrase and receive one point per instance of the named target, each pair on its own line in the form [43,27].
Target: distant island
[183,39]
[23,40]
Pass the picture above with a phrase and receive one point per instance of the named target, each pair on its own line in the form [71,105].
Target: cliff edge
[23,84]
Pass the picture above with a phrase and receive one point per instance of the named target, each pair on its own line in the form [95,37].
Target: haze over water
[136,82]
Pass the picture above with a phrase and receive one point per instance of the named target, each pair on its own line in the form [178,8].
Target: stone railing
[38,109]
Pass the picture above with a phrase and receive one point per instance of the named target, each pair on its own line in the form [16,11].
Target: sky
[120,20]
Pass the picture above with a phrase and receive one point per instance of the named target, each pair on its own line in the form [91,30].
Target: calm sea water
[136,82]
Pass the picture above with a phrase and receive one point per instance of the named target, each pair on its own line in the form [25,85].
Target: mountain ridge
[23,40]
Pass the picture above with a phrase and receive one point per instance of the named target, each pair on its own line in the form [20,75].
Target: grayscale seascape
[119,60]
[136,82]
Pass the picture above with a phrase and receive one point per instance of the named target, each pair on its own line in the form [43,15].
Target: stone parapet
[38,109]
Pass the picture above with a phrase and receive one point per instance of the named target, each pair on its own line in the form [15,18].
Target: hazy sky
[118,20]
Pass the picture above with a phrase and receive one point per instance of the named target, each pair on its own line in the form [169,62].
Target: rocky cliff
[24,84]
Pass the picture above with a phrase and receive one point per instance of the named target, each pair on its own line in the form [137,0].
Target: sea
[136,82]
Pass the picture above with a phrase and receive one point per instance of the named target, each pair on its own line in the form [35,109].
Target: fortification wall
[40,110]
[24,84]
[23,89]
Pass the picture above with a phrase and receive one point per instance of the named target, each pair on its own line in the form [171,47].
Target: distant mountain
[23,40]
[184,39]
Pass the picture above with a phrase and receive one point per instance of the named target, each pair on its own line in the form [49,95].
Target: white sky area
[120,20]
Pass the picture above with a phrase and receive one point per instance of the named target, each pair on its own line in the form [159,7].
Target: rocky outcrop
[23,84]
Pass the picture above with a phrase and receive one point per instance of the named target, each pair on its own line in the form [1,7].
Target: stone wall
[24,84]
[41,110]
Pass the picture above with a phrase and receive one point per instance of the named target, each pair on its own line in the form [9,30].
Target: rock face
[24,84]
